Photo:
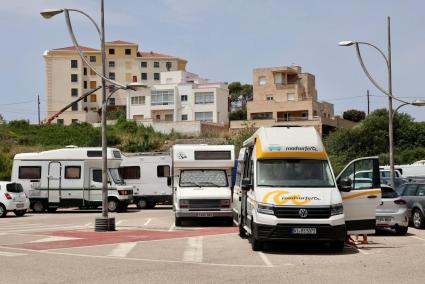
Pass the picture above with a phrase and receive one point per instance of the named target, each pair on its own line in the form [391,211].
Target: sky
[224,40]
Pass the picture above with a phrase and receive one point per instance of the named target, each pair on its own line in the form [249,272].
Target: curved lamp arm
[400,106]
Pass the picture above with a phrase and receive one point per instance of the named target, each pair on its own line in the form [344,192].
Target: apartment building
[180,96]
[68,77]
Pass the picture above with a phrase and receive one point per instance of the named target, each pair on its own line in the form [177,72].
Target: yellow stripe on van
[261,154]
[355,195]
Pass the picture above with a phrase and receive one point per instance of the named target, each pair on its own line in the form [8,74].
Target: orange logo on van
[281,197]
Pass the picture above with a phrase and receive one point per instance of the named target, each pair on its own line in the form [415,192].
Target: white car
[13,198]
[392,212]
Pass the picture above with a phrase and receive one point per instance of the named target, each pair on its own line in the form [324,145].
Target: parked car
[414,194]
[13,198]
[392,211]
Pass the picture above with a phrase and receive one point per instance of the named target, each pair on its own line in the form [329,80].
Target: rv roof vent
[71,146]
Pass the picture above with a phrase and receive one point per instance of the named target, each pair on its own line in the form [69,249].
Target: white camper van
[201,181]
[150,174]
[70,177]
[286,190]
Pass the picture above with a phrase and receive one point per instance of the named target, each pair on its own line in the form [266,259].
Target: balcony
[280,86]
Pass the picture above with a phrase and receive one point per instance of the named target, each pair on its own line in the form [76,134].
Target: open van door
[360,195]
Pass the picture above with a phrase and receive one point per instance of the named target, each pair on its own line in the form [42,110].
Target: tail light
[8,196]
[184,203]
[122,192]
[225,203]
[400,202]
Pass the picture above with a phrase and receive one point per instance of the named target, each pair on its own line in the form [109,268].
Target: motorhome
[201,180]
[70,177]
[149,173]
[286,190]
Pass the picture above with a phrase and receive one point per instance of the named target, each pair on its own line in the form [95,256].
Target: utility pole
[368,102]
[38,107]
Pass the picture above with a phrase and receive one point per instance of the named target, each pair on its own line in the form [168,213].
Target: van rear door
[360,196]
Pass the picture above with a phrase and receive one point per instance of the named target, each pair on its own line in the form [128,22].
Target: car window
[421,190]
[410,190]
[388,192]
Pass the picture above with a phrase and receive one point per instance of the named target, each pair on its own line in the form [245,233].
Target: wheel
[142,203]
[178,221]
[38,207]
[52,209]
[3,211]
[256,245]
[20,213]
[401,231]
[418,219]
[242,232]
[337,246]
[113,205]
[123,207]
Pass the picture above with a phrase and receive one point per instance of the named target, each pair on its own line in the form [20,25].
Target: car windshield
[294,173]
[116,176]
[207,178]
[14,187]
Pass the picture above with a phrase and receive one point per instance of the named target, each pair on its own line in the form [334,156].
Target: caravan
[70,177]
[286,190]
[149,173]
[201,181]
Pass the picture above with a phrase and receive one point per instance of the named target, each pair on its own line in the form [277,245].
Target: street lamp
[103,223]
[418,103]
[387,92]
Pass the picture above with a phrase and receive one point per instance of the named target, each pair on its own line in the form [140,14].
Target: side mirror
[246,184]
[345,185]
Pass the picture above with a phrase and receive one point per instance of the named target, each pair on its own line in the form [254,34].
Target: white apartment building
[68,77]
[180,96]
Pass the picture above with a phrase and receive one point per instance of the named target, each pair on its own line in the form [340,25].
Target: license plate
[304,231]
[205,214]
[384,219]
[19,205]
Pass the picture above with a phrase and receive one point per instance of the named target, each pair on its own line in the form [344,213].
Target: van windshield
[14,187]
[116,176]
[207,178]
[294,173]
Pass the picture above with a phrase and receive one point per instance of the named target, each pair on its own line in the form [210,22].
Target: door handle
[372,196]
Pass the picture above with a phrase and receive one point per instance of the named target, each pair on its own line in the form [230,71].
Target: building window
[72,172]
[204,116]
[291,97]
[74,63]
[28,172]
[74,92]
[85,99]
[92,72]
[262,115]
[74,78]
[204,98]
[183,98]
[138,100]
[269,98]
[132,172]
[144,76]
[162,97]
[111,64]
[59,121]
[262,80]
[92,84]
[112,51]
[111,101]
[74,107]
[304,114]
[85,71]
[112,75]
[128,51]
[184,116]
[134,79]
[74,121]
[144,64]
[168,65]
[93,98]
[85,84]
[156,64]
[156,76]
[92,58]
[163,171]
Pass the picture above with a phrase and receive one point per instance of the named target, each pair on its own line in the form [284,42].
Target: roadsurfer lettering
[281,197]
[302,148]
[302,197]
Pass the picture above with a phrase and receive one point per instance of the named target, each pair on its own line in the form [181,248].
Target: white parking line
[147,222]
[122,250]
[194,250]
[265,259]
[417,238]
[172,227]
[119,222]
[6,253]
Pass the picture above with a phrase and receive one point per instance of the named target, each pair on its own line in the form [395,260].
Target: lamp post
[418,103]
[387,92]
[103,223]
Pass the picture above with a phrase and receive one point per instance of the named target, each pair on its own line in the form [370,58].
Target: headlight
[265,209]
[337,209]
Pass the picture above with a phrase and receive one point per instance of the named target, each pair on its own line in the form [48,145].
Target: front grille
[204,204]
[318,212]
[284,231]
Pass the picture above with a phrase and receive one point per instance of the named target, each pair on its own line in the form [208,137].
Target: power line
[18,103]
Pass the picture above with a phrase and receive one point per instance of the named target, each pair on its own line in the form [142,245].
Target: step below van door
[360,195]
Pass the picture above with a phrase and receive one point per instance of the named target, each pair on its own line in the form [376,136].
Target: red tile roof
[72,48]
[120,42]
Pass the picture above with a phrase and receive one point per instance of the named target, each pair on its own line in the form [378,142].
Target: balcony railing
[280,86]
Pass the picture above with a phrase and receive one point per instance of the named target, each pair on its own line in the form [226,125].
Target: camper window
[117,154]
[213,155]
[28,172]
[163,171]
[94,153]
[130,172]
[72,172]
[97,176]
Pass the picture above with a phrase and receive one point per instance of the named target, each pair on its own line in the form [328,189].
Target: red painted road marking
[90,238]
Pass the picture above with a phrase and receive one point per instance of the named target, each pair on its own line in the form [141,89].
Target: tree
[2,119]
[235,90]
[354,115]
[238,115]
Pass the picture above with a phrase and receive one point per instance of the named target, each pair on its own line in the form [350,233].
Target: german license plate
[304,231]
[205,214]
[19,205]
[384,219]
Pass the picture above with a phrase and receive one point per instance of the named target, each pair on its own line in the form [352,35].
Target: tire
[123,207]
[3,211]
[142,203]
[256,244]
[337,246]
[38,207]
[242,232]
[52,209]
[113,205]
[418,219]
[401,231]
[178,221]
[20,213]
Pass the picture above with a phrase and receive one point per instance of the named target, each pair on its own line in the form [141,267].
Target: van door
[95,185]
[360,196]
[54,182]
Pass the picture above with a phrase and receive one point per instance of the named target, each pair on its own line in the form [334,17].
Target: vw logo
[303,213]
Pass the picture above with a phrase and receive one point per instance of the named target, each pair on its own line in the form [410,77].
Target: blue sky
[223,40]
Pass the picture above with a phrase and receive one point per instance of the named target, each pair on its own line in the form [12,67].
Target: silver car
[392,212]
[414,194]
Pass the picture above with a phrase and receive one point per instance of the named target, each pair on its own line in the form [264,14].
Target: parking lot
[62,247]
